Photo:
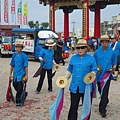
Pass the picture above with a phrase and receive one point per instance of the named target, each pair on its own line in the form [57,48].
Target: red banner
[19,19]
[13,7]
[6,11]
[13,11]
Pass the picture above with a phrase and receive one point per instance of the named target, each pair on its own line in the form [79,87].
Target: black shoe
[63,64]
[115,78]
[103,115]
[37,92]
[18,104]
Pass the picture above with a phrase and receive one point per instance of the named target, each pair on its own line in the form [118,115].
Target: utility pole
[73,27]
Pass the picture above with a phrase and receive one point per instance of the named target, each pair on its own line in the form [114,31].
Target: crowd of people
[105,58]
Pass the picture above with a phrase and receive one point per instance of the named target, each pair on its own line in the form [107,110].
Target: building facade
[111,27]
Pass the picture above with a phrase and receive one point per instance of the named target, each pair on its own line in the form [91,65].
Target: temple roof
[77,4]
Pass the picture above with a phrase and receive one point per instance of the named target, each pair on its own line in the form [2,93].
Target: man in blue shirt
[47,58]
[80,65]
[107,60]
[19,68]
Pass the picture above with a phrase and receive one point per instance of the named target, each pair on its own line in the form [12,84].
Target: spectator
[114,45]
[59,50]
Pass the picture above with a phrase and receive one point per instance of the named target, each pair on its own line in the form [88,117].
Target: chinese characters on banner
[20,13]
[13,10]
[25,17]
[6,11]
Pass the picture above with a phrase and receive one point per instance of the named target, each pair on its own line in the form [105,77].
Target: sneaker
[18,104]
[37,92]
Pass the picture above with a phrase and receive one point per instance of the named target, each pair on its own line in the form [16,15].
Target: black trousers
[117,67]
[59,57]
[75,99]
[104,98]
[18,86]
[42,76]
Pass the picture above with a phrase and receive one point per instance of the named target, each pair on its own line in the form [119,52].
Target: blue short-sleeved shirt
[79,67]
[48,56]
[106,60]
[116,49]
[19,62]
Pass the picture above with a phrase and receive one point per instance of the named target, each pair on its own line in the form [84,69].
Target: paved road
[36,105]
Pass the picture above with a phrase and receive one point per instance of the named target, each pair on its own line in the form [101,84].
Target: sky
[38,12]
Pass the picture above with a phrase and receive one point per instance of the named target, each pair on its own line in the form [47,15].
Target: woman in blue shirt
[80,65]
[47,58]
[19,68]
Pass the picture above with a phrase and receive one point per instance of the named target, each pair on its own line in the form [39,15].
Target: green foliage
[76,40]
[37,25]
[31,24]
[44,25]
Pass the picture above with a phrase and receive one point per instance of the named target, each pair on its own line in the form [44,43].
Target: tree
[31,24]
[44,25]
[36,25]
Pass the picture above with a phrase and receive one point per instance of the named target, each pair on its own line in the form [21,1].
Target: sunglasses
[82,47]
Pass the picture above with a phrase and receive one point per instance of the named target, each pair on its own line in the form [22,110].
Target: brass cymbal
[89,78]
[56,67]
[23,79]
[61,82]
[99,69]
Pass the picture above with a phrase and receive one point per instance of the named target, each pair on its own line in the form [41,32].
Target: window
[6,39]
[42,41]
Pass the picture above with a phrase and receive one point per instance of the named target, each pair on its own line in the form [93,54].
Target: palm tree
[31,24]
[44,25]
[36,25]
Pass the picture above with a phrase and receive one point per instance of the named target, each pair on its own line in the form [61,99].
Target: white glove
[54,62]
[41,59]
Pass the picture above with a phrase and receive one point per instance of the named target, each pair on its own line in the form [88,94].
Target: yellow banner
[25,9]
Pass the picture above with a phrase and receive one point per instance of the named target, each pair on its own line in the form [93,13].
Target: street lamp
[73,27]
